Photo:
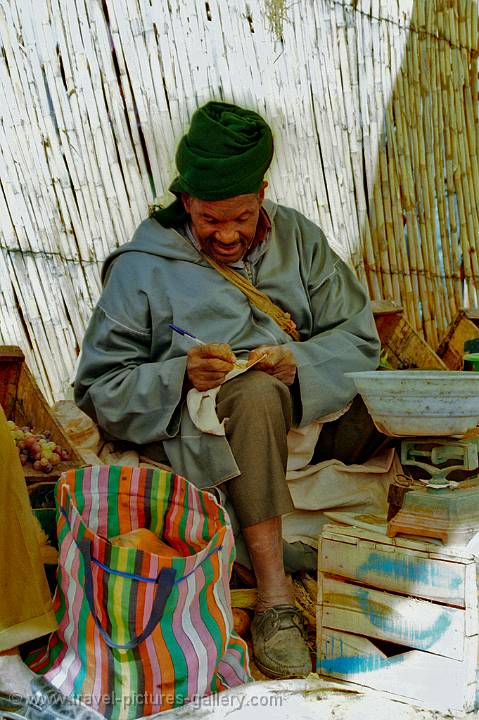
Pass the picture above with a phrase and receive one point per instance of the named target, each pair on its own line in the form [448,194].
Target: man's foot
[44,702]
[280,650]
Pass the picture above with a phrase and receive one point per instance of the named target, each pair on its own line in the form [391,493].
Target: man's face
[226,228]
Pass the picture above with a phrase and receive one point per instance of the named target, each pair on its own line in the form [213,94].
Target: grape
[37,448]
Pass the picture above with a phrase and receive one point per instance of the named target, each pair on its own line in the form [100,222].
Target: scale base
[451,515]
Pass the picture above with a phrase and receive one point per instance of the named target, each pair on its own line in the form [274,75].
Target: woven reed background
[374,106]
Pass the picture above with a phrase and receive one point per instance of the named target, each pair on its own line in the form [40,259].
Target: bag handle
[164,582]
[257,297]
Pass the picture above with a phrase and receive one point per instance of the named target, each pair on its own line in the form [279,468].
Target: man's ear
[186,199]
[262,190]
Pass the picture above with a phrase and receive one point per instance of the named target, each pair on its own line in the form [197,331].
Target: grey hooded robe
[132,368]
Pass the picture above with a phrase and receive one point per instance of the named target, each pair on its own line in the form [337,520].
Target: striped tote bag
[140,632]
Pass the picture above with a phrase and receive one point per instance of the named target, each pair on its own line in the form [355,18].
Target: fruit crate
[23,402]
[400,616]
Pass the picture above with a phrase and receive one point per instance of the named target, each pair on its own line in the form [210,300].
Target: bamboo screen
[373,104]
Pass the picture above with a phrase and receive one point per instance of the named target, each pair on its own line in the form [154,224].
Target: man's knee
[256,387]
[253,393]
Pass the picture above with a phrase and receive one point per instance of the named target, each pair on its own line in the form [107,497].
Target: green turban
[226,152]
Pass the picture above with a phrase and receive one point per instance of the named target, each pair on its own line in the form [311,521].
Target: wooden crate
[23,402]
[403,346]
[473,315]
[451,349]
[399,616]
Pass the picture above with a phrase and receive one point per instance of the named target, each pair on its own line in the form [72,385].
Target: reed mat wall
[374,106]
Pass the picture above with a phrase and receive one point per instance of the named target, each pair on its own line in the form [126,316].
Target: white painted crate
[398,615]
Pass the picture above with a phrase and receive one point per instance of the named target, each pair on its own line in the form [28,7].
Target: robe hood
[152,238]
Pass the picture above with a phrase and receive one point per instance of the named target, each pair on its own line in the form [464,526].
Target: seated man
[246,276]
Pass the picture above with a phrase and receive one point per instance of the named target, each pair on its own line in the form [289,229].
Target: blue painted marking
[412,570]
[388,623]
[350,665]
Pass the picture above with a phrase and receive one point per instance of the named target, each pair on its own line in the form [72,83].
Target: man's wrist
[187,384]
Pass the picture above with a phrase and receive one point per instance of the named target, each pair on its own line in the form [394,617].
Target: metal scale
[435,414]
[434,505]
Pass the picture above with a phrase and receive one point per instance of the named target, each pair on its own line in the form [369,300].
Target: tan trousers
[25,602]
[258,409]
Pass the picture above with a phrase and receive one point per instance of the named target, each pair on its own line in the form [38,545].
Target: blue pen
[186,334]
[239,364]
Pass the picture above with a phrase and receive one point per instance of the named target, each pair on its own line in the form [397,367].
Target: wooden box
[399,616]
[451,349]
[23,402]
[404,348]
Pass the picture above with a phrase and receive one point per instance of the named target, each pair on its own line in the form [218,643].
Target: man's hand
[208,364]
[278,361]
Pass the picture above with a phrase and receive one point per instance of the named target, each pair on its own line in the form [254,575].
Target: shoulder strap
[257,298]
